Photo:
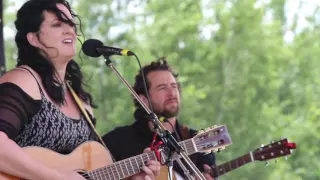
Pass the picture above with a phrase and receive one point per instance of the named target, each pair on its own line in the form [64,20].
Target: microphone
[163,119]
[95,48]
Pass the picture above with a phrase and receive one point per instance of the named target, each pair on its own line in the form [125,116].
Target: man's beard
[168,113]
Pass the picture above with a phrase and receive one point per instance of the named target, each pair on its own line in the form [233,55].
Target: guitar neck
[231,165]
[189,146]
[122,169]
[131,166]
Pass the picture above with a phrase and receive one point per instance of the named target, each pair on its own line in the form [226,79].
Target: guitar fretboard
[128,167]
[122,169]
[231,165]
[188,146]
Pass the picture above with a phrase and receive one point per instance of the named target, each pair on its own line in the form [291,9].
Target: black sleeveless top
[32,122]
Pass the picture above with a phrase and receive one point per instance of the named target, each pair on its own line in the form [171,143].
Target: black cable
[151,108]
[148,97]
[145,85]
[175,131]
[178,137]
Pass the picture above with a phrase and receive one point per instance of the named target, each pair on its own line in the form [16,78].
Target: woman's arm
[17,163]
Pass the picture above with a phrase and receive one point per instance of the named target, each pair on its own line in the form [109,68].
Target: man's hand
[207,172]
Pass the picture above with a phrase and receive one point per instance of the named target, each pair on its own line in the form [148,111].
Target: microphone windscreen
[90,46]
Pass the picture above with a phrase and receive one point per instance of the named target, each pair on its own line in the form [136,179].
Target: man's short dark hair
[160,64]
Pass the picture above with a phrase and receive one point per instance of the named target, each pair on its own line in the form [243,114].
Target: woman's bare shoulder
[24,79]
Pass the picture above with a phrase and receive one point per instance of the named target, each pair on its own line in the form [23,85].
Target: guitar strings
[101,172]
[113,172]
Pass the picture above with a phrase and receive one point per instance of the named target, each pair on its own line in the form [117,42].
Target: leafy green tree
[236,67]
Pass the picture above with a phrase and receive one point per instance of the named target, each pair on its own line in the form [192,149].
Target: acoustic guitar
[93,161]
[271,151]
[207,145]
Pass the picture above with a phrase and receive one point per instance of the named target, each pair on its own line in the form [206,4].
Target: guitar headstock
[274,150]
[215,138]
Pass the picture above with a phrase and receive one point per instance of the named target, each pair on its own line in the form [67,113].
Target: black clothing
[127,141]
[32,122]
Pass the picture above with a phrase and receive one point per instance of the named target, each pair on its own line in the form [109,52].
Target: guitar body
[93,157]
[164,174]
[88,156]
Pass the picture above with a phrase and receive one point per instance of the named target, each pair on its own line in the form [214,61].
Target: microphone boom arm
[162,131]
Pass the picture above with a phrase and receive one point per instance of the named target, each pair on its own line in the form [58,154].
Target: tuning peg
[272,142]
[221,149]
[261,145]
[267,163]
[214,126]
[281,152]
[200,131]
[207,129]
[286,157]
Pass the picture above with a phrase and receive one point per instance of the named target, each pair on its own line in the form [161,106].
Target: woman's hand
[149,171]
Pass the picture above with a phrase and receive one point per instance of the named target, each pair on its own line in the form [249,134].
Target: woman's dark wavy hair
[29,18]
[160,64]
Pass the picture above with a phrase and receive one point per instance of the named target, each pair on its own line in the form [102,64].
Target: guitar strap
[76,98]
[185,132]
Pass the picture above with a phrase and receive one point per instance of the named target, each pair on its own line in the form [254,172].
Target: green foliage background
[236,65]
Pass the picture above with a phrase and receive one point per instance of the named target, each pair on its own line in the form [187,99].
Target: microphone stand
[170,166]
[185,170]
[160,129]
